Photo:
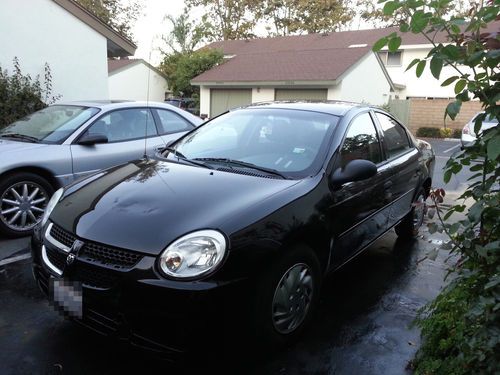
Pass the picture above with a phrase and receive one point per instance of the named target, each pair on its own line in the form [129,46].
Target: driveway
[363,324]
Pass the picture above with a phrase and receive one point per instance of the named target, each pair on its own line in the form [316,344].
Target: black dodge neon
[246,213]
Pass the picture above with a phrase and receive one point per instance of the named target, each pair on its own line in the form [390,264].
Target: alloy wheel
[292,298]
[22,205]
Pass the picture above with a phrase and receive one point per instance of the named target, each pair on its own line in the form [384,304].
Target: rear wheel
[410,225]
[288,294]
[23,197]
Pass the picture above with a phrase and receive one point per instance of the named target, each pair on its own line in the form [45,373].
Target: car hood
[145,205]
[7,145]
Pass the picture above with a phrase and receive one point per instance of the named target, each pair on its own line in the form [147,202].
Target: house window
[391,58]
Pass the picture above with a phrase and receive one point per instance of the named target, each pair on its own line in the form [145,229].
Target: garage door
[294,94]
[223,99]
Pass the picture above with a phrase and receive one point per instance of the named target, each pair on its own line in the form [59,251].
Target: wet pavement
[362,326]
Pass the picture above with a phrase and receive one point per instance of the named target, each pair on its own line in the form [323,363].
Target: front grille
[56,257]
[93,276]
[98,253]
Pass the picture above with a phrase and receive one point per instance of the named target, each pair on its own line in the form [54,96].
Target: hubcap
[292,298]
[419,212]
[22,205]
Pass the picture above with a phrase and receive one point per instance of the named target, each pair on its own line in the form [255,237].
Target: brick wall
[430,113]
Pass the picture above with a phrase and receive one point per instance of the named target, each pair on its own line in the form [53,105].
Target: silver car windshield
[51,125]
[290,142]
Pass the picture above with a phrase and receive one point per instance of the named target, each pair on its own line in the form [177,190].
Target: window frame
[385,59]
[411,145]
[77,139]
[159,124]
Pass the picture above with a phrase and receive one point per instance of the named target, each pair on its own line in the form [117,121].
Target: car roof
[333,107]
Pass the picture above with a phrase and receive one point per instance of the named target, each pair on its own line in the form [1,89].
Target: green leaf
[447,176]
[449,81]
[379,44]
[455,29]
[413,62]
[436,66]
[460,85]
[390,7]
[493,148]
[420,68]
[419,21]
[453,109]
[394,43]
[404,27]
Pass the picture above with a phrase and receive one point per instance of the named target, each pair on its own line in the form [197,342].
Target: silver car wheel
[22,205]
[292,298]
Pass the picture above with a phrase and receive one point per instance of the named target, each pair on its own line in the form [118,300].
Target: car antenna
[148,110]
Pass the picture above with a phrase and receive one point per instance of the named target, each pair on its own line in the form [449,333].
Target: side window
[395,137]
[361,141]
[124,125]
[171,122]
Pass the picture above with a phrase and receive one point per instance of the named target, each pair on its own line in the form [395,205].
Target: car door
[403,163]
[171,125]
[131,132]
[359,210]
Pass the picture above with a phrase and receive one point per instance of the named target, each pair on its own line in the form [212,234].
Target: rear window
[395,137]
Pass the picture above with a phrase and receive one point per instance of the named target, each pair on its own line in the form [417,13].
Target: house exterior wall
[39,32]
[365,82]
[262,94]
[426,85]
[131,83]
[204,100]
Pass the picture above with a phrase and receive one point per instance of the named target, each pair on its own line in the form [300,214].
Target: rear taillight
[466,129]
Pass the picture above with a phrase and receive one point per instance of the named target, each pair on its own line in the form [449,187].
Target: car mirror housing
[355,170]
[92,139]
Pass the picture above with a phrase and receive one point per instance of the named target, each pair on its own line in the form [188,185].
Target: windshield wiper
[181,156]
[244,164]
[20,136]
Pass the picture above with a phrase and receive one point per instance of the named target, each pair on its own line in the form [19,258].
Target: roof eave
[117,44]
[291,83]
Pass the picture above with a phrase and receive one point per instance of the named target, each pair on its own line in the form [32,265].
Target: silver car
[468,135]
[61,143]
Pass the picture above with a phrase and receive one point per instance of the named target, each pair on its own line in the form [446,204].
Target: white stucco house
[130,79]
[74,43]
[337,66]
[313,66]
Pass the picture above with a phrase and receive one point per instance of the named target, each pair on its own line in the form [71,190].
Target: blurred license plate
[67,297]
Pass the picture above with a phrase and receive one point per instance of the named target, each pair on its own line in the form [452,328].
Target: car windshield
[290,143]
[50,125]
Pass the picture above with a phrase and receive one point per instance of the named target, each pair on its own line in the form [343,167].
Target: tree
[181,68]
[305,16]
[227,19]
[120,15]
[185,34]
[460,328]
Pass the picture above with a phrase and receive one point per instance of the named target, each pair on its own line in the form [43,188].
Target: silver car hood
[13,146]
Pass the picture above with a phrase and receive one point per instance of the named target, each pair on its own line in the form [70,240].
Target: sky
[151,26]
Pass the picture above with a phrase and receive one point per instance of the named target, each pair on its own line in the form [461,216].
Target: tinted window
[123,125]
[395,137]
[171,122]
[361,141]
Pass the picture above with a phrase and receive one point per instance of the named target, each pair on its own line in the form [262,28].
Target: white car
[468,135]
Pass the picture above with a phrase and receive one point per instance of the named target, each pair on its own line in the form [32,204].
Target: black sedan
[246,213]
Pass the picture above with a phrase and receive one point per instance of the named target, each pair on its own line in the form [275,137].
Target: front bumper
[138,305]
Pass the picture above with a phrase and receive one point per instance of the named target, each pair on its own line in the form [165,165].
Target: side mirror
[355,170]
[92,139]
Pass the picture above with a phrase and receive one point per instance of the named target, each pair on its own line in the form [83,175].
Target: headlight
[50,206]
[193,255]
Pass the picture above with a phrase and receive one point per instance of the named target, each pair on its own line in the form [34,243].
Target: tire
[274,298]
[23,197]
[409,227]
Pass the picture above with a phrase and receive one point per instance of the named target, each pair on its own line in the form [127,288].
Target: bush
[445,132]
[457,133]
[21,95]
[428,132]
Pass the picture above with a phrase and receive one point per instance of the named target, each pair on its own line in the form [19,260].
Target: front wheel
[288,295]
[410,225]
[23,197]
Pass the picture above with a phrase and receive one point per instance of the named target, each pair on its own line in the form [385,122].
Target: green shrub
[428,132]
[457,133]
[445,132]
[21,95]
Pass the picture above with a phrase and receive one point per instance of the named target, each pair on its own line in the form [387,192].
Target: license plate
[67,297]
